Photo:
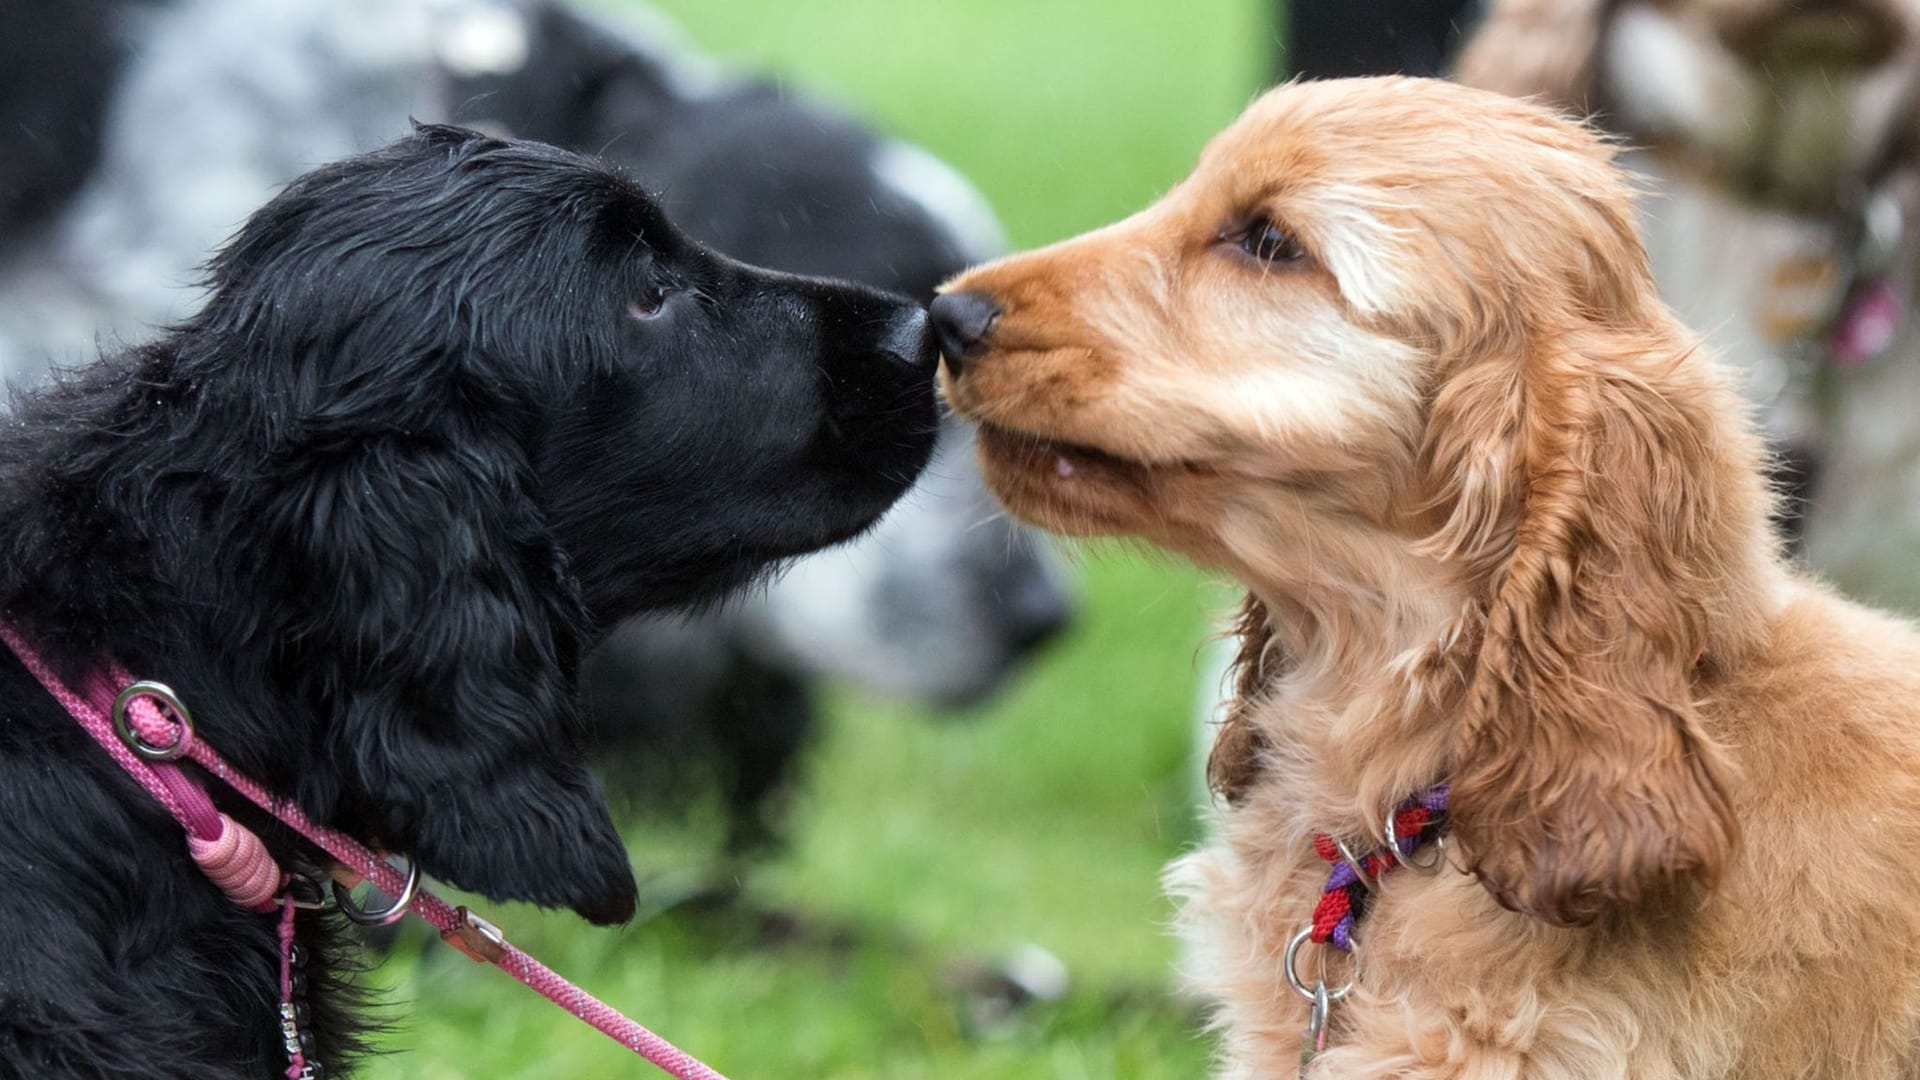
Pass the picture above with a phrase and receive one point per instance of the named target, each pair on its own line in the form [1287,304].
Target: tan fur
[1501,522]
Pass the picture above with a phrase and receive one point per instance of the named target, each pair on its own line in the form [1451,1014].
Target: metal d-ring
[1307,990]
[343,896]
[1357,864]
[123,724]
[1406,859]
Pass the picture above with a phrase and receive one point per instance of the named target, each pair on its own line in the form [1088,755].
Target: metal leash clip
[479,939]
[1319,999]
[1314,1042]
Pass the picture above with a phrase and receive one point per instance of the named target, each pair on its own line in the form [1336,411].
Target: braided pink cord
[177,803]
[227,851]
[542,979]
[296,1058]
[154,727]
[230,854]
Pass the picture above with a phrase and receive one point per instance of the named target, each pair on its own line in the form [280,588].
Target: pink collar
[129,724]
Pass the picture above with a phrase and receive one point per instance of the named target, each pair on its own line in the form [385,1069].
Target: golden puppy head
[1392,355]
[1276,325]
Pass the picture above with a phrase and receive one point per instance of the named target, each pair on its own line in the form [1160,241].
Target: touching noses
[961,322]
[906,339]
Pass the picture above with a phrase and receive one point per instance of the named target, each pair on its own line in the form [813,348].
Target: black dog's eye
[652,298]
[1269,243]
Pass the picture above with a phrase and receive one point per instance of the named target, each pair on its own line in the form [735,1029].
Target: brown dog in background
[1393,357]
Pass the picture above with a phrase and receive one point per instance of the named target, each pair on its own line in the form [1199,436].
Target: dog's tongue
[1867,326]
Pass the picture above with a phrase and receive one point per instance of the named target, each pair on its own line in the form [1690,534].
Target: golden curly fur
[1501,521]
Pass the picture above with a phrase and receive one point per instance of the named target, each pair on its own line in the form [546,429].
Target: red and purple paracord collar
[1350,884]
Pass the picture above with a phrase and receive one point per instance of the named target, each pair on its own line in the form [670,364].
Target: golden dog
[1392,356]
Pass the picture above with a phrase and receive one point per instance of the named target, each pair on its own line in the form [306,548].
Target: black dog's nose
[909,338]
[962,322]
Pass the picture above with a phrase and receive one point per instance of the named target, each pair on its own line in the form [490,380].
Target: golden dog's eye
[1270,243]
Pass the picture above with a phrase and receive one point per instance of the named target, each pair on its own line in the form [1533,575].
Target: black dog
[222,100]
[772,177]
[452,408]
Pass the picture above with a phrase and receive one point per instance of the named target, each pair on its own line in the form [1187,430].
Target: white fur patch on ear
[949,198]
[1362,251]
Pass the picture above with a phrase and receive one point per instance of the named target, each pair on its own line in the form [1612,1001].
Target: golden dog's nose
[961,322]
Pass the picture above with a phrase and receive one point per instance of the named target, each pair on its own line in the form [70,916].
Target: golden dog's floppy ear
[1585,511]
[1537,48]
[1235,761]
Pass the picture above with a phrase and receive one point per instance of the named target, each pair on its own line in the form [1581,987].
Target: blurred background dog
[1778,140]
[198,109]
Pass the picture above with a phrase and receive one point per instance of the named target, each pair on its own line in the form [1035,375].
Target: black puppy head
[491,400]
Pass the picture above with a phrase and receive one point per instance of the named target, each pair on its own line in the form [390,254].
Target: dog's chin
[1069,487]
[818,522]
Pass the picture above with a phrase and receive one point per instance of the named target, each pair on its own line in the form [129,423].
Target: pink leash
[237,861]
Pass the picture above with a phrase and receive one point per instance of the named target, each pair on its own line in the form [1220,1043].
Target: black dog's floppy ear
[438,627]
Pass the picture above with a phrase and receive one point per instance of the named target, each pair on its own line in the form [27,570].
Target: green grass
[924,845]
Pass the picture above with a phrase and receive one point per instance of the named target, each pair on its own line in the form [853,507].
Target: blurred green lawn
[921,843]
